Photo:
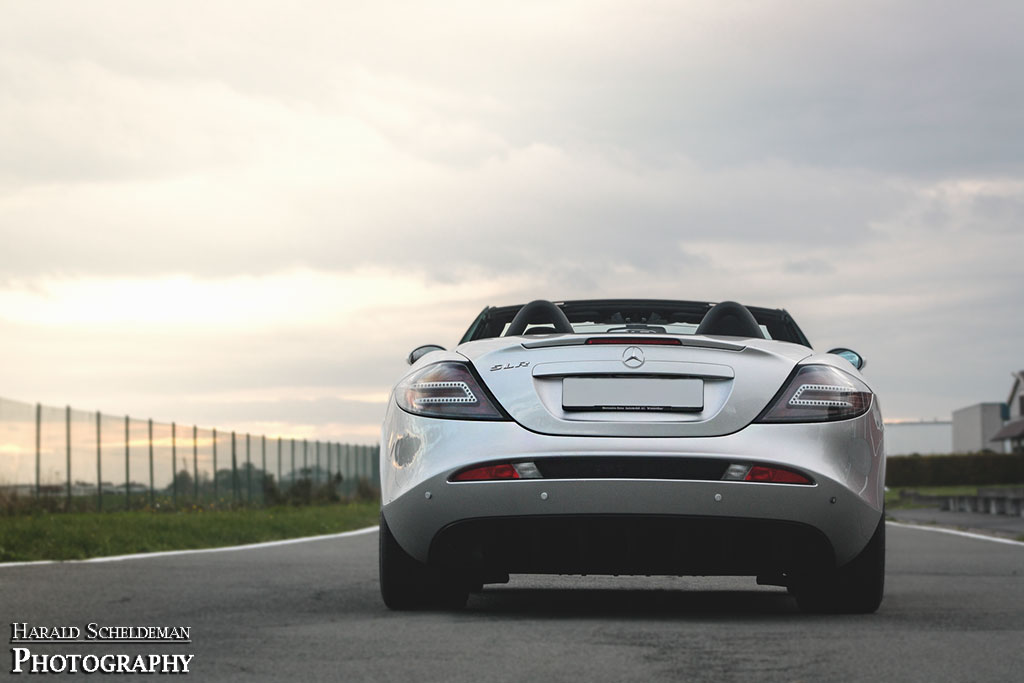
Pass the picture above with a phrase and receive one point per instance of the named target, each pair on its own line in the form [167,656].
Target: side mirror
[856,360]
[421,351]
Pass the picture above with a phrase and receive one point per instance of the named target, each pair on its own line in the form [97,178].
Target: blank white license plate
[633,393]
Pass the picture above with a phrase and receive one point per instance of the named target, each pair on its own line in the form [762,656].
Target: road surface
[953,611]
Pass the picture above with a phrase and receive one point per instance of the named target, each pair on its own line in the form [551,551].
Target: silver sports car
[633,437]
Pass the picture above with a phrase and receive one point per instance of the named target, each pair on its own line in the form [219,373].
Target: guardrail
[85,457]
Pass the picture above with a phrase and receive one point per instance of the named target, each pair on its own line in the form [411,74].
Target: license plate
[633,393]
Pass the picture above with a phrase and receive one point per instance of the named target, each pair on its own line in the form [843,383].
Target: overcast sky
[245,215]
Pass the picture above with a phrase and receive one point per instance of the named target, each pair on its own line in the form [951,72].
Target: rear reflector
[635,341]
[502,471]
[775,475]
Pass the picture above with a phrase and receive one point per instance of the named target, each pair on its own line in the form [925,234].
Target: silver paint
[845,458]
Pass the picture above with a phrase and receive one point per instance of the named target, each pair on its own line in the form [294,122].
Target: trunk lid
[705,386]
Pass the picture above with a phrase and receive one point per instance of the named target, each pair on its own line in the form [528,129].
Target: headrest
[730,319]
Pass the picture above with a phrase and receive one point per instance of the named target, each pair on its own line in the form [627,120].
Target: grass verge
[47,536]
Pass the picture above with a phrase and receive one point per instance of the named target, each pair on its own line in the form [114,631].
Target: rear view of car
[633,437]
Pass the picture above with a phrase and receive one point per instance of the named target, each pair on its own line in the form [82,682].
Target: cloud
[197,201]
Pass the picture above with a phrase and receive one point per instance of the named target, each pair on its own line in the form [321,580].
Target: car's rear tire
[406,583]
[855,588]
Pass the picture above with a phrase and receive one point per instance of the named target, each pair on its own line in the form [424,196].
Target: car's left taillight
[447,389]
[818,393]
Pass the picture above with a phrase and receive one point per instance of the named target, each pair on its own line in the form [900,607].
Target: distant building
[924,437]
[975,426]
[1011,435]
[1016,400]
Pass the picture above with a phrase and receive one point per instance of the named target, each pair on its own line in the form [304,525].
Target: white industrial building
[974,427]
[996,427]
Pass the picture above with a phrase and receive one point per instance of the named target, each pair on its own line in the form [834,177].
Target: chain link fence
[91,461]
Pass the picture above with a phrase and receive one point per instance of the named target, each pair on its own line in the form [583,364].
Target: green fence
[96,461]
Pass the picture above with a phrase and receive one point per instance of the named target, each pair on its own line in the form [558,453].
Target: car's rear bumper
[541,508]
[425,510]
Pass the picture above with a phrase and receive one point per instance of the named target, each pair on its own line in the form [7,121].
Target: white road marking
[956,532]
[371,529]
[222,549]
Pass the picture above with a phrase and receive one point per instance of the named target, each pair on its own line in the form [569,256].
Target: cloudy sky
[245,216]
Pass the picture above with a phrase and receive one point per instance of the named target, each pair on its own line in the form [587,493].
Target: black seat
[730,319]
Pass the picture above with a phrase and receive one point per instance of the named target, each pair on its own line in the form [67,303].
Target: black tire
[855,588]
[406,583]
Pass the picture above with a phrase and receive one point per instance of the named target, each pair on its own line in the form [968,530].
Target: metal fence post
[67,434]
[195,462]
[358,464]
[39,441]
[305,469]
[215,463]
[127,475]
[293,464]
[99,465]
[174,464]
[375,467]
[318,462]
[152,492]
[353,464]
[263,459]
[234,470]
[248,471]
[279,482]
[347,474]
[328,444]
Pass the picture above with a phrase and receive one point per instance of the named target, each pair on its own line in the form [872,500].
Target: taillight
[504,470]
[818,393]
[775,475]
[768,474]
[446,389]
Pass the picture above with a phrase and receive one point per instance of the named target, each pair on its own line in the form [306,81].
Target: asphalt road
[1006,526]
[953,611]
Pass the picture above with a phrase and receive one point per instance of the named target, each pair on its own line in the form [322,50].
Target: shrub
[952,470]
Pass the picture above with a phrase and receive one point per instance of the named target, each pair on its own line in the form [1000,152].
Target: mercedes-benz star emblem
[633,357]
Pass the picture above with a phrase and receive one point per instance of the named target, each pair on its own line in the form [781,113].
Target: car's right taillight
[818,393]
